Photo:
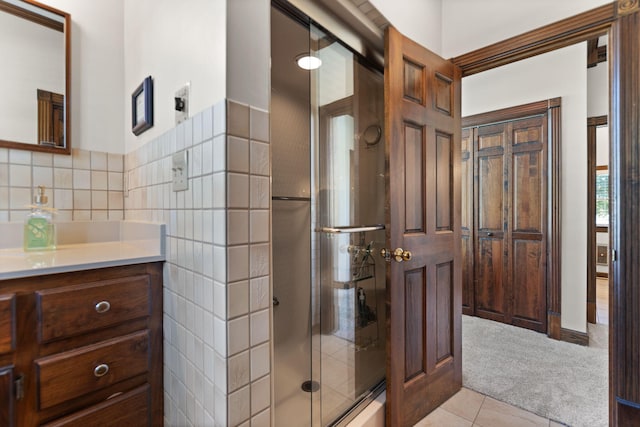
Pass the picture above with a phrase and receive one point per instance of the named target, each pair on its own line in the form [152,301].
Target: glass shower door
[348,313]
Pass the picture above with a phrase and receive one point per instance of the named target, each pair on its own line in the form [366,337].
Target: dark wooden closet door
[467,221]
[507,281]
[490,208]
[528,182]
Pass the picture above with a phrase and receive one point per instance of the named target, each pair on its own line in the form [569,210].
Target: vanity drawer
[7,323]
[71,374]
[130,409]
[77,309]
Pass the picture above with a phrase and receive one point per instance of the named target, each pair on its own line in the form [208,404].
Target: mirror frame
[16,10]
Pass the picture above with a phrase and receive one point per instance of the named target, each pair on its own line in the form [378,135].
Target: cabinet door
[6,397]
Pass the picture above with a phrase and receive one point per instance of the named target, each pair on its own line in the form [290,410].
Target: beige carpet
[565,382]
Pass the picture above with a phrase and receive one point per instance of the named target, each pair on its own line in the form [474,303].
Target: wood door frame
[552,108]
[621,20]
[592,124]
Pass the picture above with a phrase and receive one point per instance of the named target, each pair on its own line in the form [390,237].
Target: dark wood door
[422,102]
[508,279]
[468,302]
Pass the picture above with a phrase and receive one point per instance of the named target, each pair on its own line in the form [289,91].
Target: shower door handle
[398,255]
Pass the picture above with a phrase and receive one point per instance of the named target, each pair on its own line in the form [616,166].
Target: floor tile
[441,418]
[494,413]
[466,404]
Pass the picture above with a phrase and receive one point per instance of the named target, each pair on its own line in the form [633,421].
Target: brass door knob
[398,254]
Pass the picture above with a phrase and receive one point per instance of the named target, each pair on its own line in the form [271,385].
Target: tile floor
[469,408]
[602,301]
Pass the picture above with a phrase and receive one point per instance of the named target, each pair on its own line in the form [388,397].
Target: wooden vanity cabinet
[88,349]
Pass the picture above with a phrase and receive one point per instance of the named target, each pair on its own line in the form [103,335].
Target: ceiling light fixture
[308,62]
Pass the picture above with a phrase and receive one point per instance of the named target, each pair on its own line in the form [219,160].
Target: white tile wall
[217,302]
[74,184]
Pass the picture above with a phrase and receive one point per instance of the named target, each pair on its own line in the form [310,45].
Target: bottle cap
[41,198]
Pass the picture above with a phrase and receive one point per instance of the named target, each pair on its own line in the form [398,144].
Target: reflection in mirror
[35,83]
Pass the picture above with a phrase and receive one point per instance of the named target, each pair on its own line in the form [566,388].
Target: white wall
[471,24]
[96,73]
[561,73]
[420,20]
[598,90]
[34,58]
[174,42]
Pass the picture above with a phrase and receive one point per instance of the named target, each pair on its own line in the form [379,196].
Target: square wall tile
[99,200]
[237,227]
[4,174]
[260,361]
[237,119]
[43,175]
[20,175]
[81,159]
[263,419]
[19,198]
[259,158]
[63,199]
[259,123]
[116,200]
[98,161]
[260,394]
[99,180]
[237,154]
[259,327]
[115,162]
[238,191]
[81,179]
[219,153]
[4,198]
[238,371]
[19,157]
[237,263]
[115,181]
[259,293]
[259,260]
[63,161]
[238,335]
[259,226]
[260,196]
[237,299]
[63,178]
[239,406]
[220,336]
[81,200]
[42,159]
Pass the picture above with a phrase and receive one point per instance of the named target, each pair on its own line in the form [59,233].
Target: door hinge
[614,255]
[19,387]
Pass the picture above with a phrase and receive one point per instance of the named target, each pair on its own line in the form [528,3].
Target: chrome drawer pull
[103,306]
[101,370]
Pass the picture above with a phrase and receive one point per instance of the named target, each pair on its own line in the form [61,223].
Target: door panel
[527,180]
[467,221]
[422,102]
[490,193]
[444,182]
[527,278]
[414,178]
[489,295]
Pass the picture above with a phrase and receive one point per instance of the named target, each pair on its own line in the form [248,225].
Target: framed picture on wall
[142,107]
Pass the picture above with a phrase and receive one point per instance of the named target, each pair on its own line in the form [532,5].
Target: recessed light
[307,62]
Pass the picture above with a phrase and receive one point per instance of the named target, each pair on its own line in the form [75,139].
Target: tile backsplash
[87,185]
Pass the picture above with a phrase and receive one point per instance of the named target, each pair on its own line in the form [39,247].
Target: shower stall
[328,187]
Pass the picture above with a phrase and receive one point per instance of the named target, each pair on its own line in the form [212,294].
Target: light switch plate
[180,171]
[183,95]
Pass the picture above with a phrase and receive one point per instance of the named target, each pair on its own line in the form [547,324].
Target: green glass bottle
[39,230]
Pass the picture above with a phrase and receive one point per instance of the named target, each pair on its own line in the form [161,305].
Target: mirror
[35,51]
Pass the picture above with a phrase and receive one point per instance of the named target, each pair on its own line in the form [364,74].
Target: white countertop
[82,246]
